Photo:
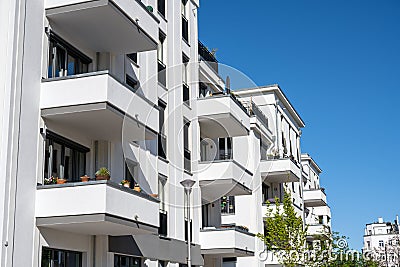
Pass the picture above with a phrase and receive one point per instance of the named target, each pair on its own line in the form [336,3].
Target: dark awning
[155,247]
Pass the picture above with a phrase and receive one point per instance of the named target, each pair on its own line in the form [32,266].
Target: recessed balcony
[280,170]
[222,115]
[223,178]
[116,26]
[320,230]
[227,242]
[314,197]
[99,106]
[96,208]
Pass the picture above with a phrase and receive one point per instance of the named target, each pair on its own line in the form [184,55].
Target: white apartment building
[126,85]
[382,241]
[317,213]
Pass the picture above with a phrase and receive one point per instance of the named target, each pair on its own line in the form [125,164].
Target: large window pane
[61,258]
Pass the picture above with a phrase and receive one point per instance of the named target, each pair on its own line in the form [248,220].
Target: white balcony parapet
[89,101]
[117,26]
[271,209]
[318,230]
[222,115]
[227,242]
[96,207]
[280,170]
[223,177]
[314,197]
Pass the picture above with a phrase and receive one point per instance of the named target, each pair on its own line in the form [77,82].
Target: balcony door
[65,159]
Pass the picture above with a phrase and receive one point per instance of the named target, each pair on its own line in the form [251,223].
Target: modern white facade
[382,241]
[126,85]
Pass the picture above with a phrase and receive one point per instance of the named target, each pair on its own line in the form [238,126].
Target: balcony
[223,178]
[319,230]
[314,197]
[280,170]
[208,57]
[96,208]
[272,207]
[222,115]
[227,242]
[99,106]
[116,26]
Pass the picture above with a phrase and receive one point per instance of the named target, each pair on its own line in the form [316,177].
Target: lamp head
[188,184]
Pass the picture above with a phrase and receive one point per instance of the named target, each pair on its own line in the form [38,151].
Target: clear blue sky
[339,64]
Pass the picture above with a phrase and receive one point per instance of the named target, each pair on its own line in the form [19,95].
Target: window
[225,148]
[161,46]
[265,193]
[187,157]
[162,264]
[161,7]
[162,181]
[204,215]
[368,244]
[162,139]
[381,244]
[185,23]
[131,172]
[228,205]
[133,57]
[162,72]
[64,59]
[126,261]
[60,258]
[185,74]
[131,82]
[64,158]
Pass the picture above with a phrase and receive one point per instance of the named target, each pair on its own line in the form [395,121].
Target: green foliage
[103,172]
[286,237]
[285,233]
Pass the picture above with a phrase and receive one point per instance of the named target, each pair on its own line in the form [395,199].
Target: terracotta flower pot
[102,177]
[61,181]
[137,188]
[154,195]
[127,185]
[85,178]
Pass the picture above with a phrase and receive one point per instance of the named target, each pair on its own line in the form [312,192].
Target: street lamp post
[187,185]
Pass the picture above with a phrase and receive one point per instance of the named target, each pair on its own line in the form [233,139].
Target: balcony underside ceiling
[314,202]
[280,177]
[95,224]
[99,121]
[221,125]
[212,190]
[101,26]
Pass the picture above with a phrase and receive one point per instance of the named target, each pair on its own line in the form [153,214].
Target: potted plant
[85,178]
[125,183]
[137,188]
[103,174]
[61,180]
[50,180]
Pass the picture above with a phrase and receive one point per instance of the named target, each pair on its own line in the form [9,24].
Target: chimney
[397,220]
[380,220]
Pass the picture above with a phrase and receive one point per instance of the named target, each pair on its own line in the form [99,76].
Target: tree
[285,234]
